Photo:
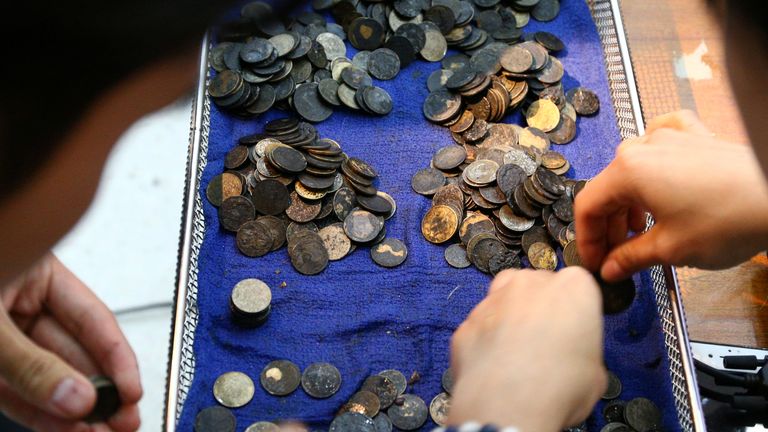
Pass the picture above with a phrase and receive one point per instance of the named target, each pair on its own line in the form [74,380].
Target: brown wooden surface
[726,306]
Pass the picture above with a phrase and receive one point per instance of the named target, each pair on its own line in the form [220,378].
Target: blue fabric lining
[363,318]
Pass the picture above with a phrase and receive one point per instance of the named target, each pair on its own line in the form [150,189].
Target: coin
[447,381]
[233,389]
[435,46]
[617,296]
[250,302]
[481,248]
[392,204]
[616,427]
[270,197]
[549,41]
[439,224]
[362,226]
[382,423]
[481,172]
[503,261]
[302,210]
[308,254]
[542,256]
[515,59]
[223,186]
[397,379]
[448,158]
[439,407]
[254,239]
[456,256]
[368,400]
[642,415]
[383,388]
[584,101]
[571,254]
[335,241]
[263,426]
[236,157]
[384,64]
[513,221]
[321,380]
[543,115]
[352,422]
[107,399]
[441,105]
[280,377]
[309,105]
[288,159]
[614,387]
[613,411]
[410,415]
[235,211]
[427,181]
[343,202]
[375,204]
[215,419]
[390,252]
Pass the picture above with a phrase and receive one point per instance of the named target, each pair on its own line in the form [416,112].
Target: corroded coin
[542,256]
[308,254]
[236,157]
[439,407]
[642,415]
[427,181]
[270,197]
[390,252]
[474,224]
[439,224]
[375,204]
[448,158]
[410,415]
[254,239]
[613,411]
[352,422]
[250,302]
[215,419]
[509,177]
[368,400]
[362,226]
[584,101]
[343,202]
[514,222]
[571,254]
[504,261]
[302,210]
[223,186]
[397,378]
[447,381]
[456,256]
[335,241]
[481,248]
[614,387]
[392,204]
[280,377]
[233,389]
[382,423]
[481,172]
[263,426]
[384,64]
[235,211]
[441,105]
[383,388]
[616,427]
[288,159]
[543,115]
[321,380]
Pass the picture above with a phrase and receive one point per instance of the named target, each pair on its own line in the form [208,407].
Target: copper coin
[368,400]
[254,239]
[277,229]
[466,120]
[449,194]
[493,194]
[396,378]
[236,158]
[270,197]
[456,256]
[308,254]
[504,261]
[448,158]
[376,204]
[542,256]
[361,167]
[565,131]
[335,241]
[302,210]
[439,224]
[280,377]
[236,211]
[534,235]
[392,204]
[474,224]
[543,115]
[343,202]
[223,186]
[362,226]
[427,181]
[389,253]
[563,208]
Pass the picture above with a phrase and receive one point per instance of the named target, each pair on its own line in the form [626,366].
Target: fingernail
[611,270]
[71,397]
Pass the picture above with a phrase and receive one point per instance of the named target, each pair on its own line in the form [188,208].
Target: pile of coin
[470,94]
[499,200]
[250,302]
[639,414]
[288,185]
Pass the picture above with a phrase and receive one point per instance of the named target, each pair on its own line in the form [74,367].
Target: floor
[125,246]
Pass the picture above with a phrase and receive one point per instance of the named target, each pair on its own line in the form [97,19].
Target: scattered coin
[383,388]
[456,256]
[614,387]
[215,419]
[390,252]
[411,414]
[321,380]
[440,224]
[368,400]
[427,181]
[280,377]
[397,378]
[263,426]
[447,381]
[362,226]
[382,423]
[233,389]
[613,411]
[335,241]
[439,407]
[583,100]
[352,422]
[642,415]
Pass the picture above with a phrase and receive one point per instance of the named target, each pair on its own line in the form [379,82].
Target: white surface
[125,246]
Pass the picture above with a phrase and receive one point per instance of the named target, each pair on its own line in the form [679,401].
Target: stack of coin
[288,185]
[250,302]
[380,404]
[471,94]
[499,200]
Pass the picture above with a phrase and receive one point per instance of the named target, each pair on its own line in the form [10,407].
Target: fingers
[637,253]
[50,335]
[127,419]
[31,417]
[684,121]
[91,323]
[42,378]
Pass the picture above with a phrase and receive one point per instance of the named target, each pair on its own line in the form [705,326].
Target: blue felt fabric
[364,318]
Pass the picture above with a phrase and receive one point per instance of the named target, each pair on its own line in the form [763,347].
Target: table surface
[727,306]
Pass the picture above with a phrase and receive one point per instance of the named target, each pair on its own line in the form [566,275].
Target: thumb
[40,377]
[631,256]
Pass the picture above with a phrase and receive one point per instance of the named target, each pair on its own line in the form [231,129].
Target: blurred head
[76,76]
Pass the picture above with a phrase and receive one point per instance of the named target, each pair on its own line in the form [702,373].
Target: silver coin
[397,378]
[333,45]
[251,296]
[233,389]
[263,426]
[439,407]
[436,46]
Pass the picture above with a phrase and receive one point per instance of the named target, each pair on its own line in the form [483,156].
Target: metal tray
[181,362]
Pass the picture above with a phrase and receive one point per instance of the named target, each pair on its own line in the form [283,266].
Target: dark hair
[59,56]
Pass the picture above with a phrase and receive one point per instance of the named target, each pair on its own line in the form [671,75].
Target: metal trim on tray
[181,367]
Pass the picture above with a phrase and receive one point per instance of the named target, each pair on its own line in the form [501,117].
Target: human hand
[530,355]
[54,332]
[708,197]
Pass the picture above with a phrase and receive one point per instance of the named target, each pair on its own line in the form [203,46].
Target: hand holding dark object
[55,332]
[507,356]
[708,197]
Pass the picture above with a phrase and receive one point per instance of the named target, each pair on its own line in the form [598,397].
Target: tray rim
[188,248]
